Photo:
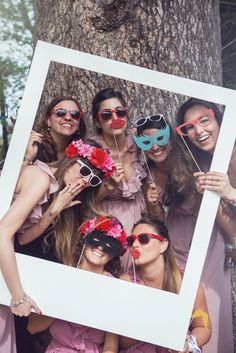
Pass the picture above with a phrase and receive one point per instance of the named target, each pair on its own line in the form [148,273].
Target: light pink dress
[215,278]
[7,328]
[72,338]
[7,331]
[127,201]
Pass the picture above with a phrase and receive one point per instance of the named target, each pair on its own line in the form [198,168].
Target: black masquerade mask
[110,246]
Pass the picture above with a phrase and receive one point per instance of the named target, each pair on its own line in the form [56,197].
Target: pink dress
[143,347]
[68,337]
[71,338]
[215,278]
[127,201]
[7,328]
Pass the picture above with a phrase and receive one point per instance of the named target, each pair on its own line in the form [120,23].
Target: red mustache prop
[135,253]
[117,123]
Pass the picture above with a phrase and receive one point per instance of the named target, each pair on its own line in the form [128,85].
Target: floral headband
[110,226]
[99,158]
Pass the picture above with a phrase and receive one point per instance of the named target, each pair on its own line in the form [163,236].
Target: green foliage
[16,33]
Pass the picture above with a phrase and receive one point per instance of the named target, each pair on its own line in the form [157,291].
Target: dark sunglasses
[106,114]
[85,171]
[143,238]
[61,112]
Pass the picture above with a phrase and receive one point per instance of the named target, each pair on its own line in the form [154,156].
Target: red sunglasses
[106,114]
[61,112]
[143,238]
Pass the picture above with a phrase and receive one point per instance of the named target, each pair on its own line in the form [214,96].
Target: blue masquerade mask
[160,138]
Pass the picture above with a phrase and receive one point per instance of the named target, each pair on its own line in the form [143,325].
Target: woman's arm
[200,327]
[29,195]
[220,183]
[38,323]
[111,343]
[63,200]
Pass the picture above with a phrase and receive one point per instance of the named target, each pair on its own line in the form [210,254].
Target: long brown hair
[180,181]
[65,228]
[47,150]
[172,275]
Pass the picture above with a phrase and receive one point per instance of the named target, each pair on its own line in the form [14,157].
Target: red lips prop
[117,123]
[135,253]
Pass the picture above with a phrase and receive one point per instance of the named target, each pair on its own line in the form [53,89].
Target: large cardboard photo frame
[113,305]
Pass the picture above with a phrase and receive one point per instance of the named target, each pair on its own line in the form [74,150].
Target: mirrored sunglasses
[204,119]
[61,112]
[153,118]
[143,238]
[106,114]
[85,171]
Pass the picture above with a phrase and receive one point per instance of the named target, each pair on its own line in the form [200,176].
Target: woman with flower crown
[121,195]
[102,241]
[53,191]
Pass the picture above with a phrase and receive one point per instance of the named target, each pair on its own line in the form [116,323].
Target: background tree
[228,30]
[161,35]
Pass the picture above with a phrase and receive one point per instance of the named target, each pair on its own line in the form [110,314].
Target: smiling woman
[101,243]
[63,121]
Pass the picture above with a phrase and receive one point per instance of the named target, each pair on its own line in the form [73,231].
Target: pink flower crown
[110,226]
[99,158]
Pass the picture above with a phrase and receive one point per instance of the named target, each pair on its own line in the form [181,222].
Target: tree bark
[179,37]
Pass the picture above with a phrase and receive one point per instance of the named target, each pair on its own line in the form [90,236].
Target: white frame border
[103,302]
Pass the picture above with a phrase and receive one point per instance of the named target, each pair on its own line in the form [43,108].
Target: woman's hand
[32,146]
[24,309]
[153,195]
[118,175]
[65,197]
[215,181]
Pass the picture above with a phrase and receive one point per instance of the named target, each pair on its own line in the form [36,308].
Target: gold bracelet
[21,301]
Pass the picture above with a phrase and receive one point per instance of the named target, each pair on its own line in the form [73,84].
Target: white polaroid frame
[113,305]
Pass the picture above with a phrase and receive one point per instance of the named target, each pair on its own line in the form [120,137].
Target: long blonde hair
[66,227]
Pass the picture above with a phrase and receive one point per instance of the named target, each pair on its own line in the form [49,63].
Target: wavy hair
[65,227]
[179,168]
[47,150]
[202,157]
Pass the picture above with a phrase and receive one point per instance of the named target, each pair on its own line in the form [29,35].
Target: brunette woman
[122,195]
[156,267]
[198,126]
[62,122]
[102,242]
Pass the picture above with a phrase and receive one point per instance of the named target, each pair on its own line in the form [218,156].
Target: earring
[49,128]
[81,255]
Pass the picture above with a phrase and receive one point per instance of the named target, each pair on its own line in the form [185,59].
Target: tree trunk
[179,37]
